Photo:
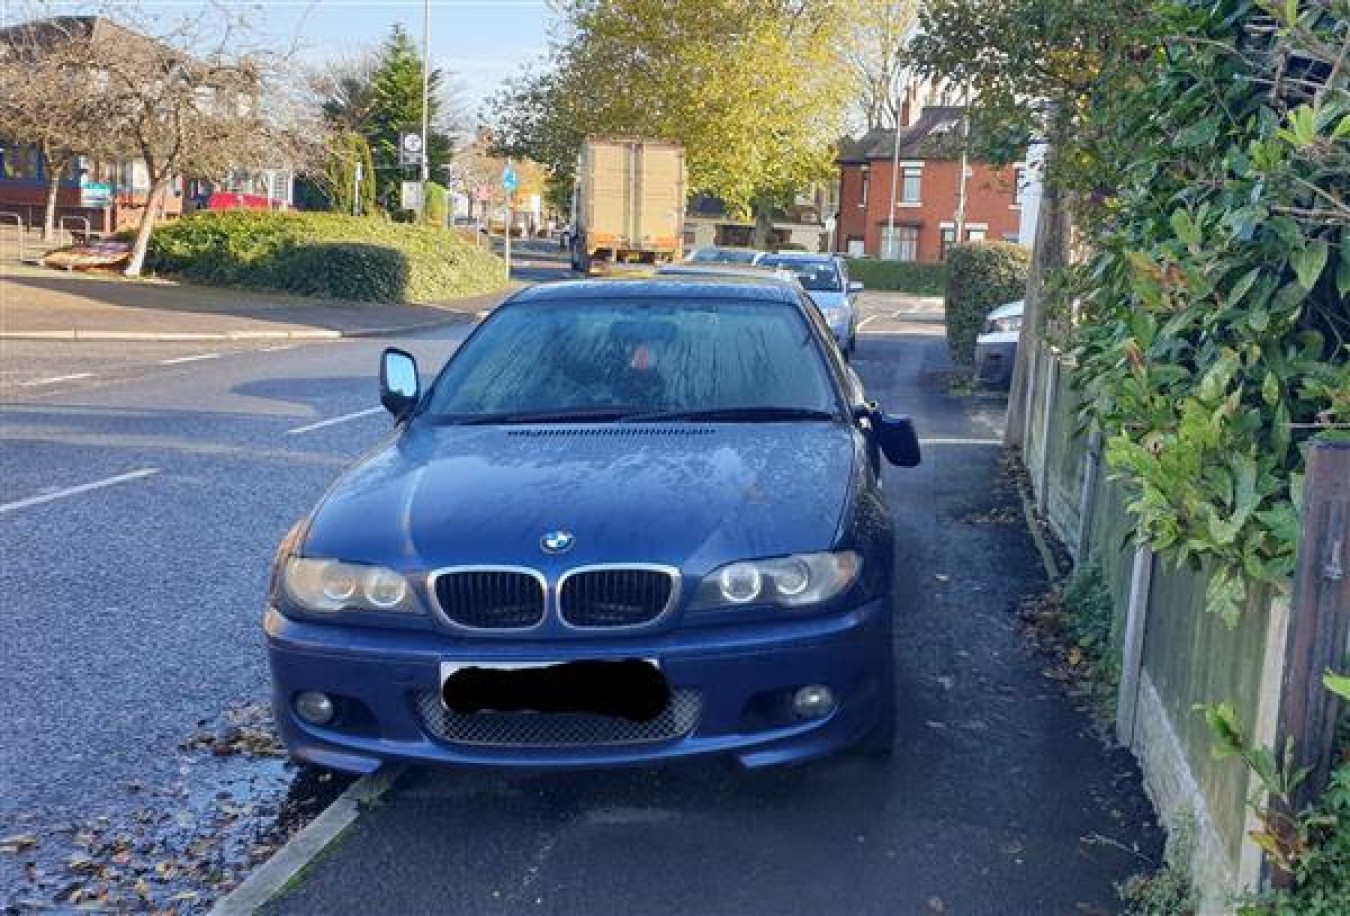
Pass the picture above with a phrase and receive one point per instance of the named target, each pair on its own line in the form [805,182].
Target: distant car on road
[628,521]
[996,346]
[717,255]
[826,281]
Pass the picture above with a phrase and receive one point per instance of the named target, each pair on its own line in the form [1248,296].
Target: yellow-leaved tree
[755,90]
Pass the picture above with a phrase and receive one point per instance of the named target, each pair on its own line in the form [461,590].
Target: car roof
[753,271]
[668,286]
[808,256]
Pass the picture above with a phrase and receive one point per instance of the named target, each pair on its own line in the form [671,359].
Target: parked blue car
[628,521]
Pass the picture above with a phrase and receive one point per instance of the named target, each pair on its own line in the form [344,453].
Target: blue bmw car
[628,521]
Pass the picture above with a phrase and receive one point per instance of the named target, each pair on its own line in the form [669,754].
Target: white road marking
[278,349]
[75,491]
[188,359]
[866,321]
[334,421]
[57,378]
[960,441]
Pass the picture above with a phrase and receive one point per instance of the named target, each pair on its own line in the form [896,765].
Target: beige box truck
[628,203]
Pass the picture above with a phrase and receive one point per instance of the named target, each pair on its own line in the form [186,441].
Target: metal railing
[21,229]
[84,220]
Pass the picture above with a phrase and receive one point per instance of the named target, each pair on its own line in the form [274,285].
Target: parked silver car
[996,347]
[828,285]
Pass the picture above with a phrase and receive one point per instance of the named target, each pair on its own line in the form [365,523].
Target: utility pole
[426,99]
[895,183]
[965,166]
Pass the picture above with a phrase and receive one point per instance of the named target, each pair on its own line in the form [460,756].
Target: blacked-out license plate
[631,688]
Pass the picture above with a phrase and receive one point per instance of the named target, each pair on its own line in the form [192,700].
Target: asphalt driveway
[1000,798]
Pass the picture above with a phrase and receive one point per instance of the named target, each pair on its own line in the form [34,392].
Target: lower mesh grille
[515,729]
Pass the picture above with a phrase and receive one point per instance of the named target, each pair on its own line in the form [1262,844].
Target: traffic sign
[509,180]
[410,148]
[411,196]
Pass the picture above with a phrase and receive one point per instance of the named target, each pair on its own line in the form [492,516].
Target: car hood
[686,495]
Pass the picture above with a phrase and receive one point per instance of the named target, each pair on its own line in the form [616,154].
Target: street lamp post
[426,94]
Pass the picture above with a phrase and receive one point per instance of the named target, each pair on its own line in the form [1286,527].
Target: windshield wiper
[733,414]
[577,415]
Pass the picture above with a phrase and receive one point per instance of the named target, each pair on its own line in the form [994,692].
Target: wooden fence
[1174,654]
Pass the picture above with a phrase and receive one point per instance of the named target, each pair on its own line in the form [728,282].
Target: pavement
[1001,797]
[37,304]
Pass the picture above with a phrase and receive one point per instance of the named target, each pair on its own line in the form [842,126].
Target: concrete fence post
[1051,383]
[1033,379]
[1132,653]
[1087,497]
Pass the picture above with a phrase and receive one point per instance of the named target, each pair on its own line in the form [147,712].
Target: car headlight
[795,581]
[326,586]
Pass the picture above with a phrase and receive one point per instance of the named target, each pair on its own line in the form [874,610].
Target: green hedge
[904,276]
[981,276]
[324,254]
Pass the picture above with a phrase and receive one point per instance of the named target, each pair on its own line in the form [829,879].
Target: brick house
[926,192]
[111,194]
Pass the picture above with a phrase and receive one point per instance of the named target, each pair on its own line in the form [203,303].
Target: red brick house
[926,192]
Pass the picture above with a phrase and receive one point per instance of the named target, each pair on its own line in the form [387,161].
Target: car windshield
[817,276]
[611,358]
[723,256]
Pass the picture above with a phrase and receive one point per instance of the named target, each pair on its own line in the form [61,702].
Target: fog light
[813,701]
[314,707]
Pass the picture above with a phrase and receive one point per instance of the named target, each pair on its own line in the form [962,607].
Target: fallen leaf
[18,843]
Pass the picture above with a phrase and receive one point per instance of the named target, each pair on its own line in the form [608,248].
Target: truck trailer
[627,203]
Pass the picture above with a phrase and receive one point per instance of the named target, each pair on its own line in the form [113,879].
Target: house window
[911,182]
[948,240]
[866,181]
[855,247]
[899,243]
[21,162]
[976,235]
[1019,184]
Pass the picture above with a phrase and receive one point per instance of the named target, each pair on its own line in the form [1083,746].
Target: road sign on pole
[410,148]
[412,195]
[509,180]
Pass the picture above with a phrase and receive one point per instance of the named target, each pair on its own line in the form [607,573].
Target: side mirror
[898,439]
[399,387]
[855,286]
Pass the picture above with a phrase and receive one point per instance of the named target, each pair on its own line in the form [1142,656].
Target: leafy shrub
[980,277]
[1167,891]
[904,276]
[1092,627]
[436,204]
[324,254]
[344,270]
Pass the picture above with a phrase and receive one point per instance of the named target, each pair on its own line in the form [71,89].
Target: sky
[481,42]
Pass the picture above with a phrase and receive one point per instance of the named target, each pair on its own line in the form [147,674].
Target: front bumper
[739,675]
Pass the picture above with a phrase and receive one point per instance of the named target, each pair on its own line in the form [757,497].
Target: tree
[346,152]
[51,97]
[755,90]
[875,56]
[1035,68]
[393,104]
[186,114]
